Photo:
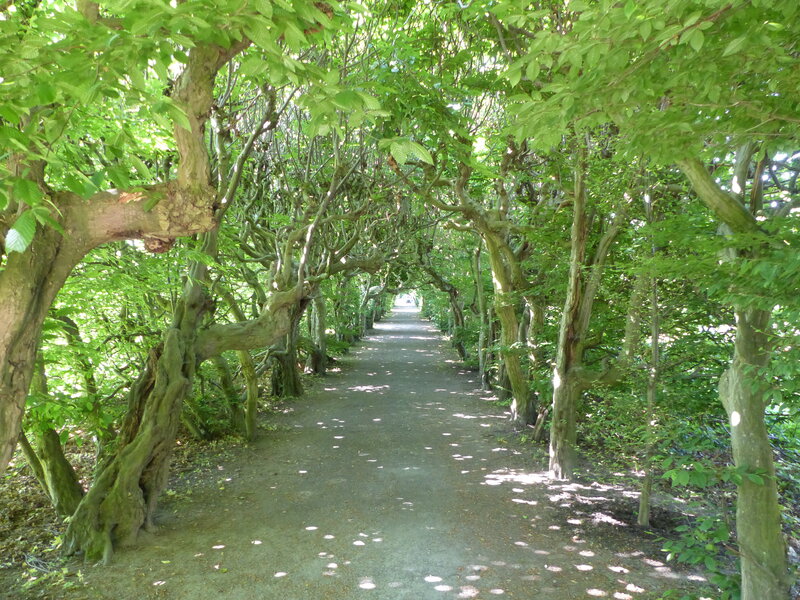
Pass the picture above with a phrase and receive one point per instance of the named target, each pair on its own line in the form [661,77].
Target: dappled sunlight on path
[388,481]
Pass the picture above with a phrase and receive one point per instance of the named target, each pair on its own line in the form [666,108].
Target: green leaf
[179,117]
[347,100]
[630,7]
[140,167]
[252,65]
[264,7]
[153,199]
[259,30]
[370,102]
[294,37]
[79,184]
[27,191]
[45,93]
[399,152]
[42,214]
[331,77]
[734,46]
[696,40]
[645,29]
[532,70]
[757,479]
[119,177]
[21,234]
[693,18]
[514,74]
[420,152]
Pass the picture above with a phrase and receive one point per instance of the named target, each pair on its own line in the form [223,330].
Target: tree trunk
[30,280]
[566,389]
[285,376]
[491,354]
[63,486]
[52,469]
[743,392]
[522,408]
[744,396]
[33,460]
[480,296]
[232,396]
[369,316]
[503,385]
[318,358]
[252,391]
[123,497]
[457,335]
[252,394]
[643,518]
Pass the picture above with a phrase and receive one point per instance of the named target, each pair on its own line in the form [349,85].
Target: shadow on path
[387,482]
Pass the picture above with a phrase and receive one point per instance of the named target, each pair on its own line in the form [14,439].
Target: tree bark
[30,280]
[63,486]
[743,393]
[483,333]
[50,466]
[643,516]
[252,391]
[318,360]
[566,389]
[124,495]
[232,396]
[522,408]
[758,515]
[285,376]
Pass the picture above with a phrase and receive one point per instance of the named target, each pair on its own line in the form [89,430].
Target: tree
[646,69]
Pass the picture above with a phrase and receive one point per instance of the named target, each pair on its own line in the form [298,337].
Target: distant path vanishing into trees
[389,480]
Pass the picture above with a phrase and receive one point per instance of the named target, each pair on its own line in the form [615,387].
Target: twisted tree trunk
[124,494]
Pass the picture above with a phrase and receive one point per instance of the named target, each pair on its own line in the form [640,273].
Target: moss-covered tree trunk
[53,471]
[48,462]
[505,307]
[744,395]
[252,390]
[643,515]
[29,282]
[252,394]
[232,395]
[285,377]
[124,495]
[743,392]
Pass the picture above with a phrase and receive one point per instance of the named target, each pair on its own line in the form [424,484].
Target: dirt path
[387,482]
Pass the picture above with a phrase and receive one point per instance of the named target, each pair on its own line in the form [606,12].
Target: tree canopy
[598,201]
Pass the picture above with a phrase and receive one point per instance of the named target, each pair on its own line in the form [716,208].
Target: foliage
[360,149]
